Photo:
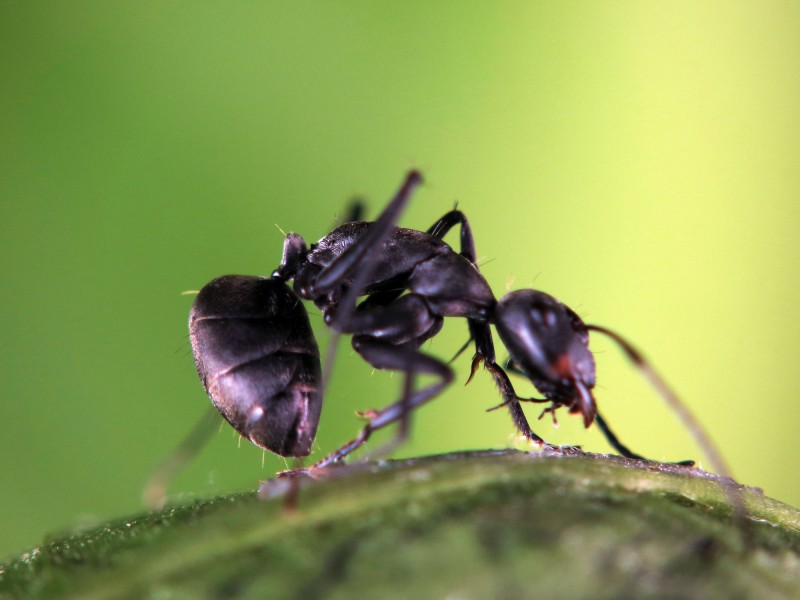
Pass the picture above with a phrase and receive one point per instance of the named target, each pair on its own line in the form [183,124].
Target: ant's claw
[476,362]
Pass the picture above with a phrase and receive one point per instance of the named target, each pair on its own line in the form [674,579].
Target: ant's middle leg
[446,223]
[481,333]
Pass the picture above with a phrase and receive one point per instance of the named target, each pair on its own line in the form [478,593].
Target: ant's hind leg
[387,337]
[383,355]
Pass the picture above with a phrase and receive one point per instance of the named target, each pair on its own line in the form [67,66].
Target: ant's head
[294,255]
[550,344]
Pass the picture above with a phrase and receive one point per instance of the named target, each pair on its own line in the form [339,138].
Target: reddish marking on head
[583,402]
[563,365]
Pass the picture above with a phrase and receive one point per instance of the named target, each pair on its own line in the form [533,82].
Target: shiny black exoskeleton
[258,360]
[259,363]
[549,343]
[412,280]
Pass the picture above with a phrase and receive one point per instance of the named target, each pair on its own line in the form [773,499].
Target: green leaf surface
[492,524]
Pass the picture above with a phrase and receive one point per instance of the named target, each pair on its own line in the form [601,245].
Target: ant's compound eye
[545,317]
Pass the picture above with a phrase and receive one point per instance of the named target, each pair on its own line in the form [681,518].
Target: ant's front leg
[610,436]
[484,348]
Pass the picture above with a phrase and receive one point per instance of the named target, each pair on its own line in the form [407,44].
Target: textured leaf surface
[501,524]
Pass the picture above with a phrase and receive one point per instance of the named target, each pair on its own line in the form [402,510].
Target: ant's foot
[681,463]
[563,450]
[313,472]
[285,483]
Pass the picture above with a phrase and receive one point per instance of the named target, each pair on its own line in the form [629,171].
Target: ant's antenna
[689,421]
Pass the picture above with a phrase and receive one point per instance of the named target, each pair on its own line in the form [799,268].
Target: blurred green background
[637,160]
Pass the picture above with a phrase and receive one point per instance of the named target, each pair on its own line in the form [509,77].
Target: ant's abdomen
[258,361]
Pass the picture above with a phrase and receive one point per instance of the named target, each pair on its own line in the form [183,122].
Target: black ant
[259,362]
